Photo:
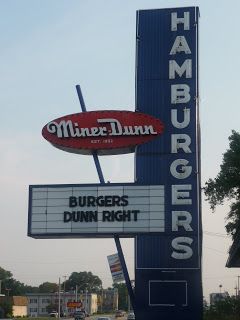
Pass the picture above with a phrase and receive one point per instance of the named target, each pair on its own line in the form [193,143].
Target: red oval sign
[104,132]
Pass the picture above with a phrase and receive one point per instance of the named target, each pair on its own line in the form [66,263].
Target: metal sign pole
[95,157]
[116,237]
[125,272]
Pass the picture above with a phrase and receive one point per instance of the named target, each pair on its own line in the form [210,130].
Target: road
[95,317]
[111,316]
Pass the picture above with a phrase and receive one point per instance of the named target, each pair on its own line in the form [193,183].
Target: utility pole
[238,286]
[76,293]
[85,307]
[0,286]
[59,298]
[236,291]
[102,300]
[64,295]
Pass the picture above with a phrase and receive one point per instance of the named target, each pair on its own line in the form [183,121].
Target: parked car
[53,314]
[131,316]
[79,315]
[86,314]
[119,313]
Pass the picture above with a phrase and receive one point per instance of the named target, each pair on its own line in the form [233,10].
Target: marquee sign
[163,209]
[95,210]
[105,132]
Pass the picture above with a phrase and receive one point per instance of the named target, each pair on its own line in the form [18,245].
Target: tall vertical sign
[168,265]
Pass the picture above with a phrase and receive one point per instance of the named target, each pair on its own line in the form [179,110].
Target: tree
[85,281]
[4,274]
[10,286]
[30,289]
[48,287]
[13,287]
[227,184]
[226,309]
[7,308]
[122,295]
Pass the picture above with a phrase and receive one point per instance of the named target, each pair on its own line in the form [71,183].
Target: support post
[116,237]
[125,271]
[59,299]
[238,286]
[95,156]
[76,293]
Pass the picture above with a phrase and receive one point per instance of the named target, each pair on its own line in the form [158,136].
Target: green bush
[7,308]
[227,309]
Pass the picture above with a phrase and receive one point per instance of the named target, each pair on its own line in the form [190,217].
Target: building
[19,304]
[108,300]
[40,303]
[215,297]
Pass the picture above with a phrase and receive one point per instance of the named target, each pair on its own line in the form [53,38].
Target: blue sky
[47,47]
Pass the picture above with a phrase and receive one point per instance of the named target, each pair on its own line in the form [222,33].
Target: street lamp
[220,288]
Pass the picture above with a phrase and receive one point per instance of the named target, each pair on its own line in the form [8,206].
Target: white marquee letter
[180,45]
[175,68]
[175,21]
[176,222]
[179,244]
[184,123]
[184,171]
[181,197]
[180,93]
[175,144]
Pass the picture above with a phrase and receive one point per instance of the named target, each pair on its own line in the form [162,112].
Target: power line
[219,276]
[221,252]
[216,234]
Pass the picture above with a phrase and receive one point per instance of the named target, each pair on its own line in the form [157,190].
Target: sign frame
[130,234]
[106,132]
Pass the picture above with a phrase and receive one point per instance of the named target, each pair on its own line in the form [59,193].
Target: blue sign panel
[167,88]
